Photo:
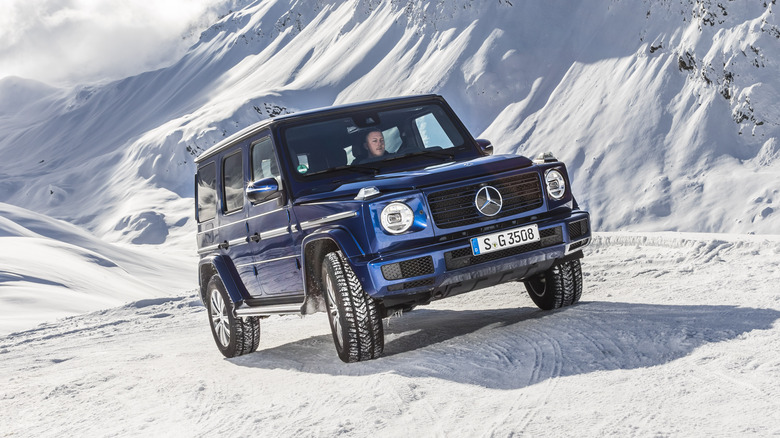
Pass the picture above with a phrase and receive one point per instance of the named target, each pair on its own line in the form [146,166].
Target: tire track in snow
[547,365]
[411,401]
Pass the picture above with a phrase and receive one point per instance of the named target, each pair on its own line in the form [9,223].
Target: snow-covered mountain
[666,112]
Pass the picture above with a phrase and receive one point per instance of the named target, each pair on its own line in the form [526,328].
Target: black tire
[559,286]
[576,272]
[354,316]
[234,336]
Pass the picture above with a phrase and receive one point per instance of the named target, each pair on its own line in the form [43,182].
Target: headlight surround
[556,184]
[396,218]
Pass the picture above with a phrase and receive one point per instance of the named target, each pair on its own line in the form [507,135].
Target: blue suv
[368,210]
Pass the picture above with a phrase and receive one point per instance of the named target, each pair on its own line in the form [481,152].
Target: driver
[375,144]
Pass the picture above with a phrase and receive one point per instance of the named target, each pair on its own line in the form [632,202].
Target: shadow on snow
[515,348]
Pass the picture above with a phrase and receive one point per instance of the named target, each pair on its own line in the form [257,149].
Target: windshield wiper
[438,153]
[353,168]
[359,168]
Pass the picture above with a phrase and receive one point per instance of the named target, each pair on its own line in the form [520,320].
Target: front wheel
[234,336]
[559,286]
[354,316]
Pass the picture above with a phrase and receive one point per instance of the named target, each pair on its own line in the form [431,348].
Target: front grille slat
[455,207]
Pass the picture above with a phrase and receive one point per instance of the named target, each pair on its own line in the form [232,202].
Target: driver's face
[375,143]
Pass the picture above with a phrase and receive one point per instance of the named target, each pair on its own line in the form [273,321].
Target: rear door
[276,263]
[231,235]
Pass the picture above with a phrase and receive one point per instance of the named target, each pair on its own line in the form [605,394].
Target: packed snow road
[676,335]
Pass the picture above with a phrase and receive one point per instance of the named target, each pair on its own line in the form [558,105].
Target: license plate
[504,239]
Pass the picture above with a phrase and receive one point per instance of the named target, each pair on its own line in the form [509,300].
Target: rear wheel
[234,336]
[353,315]
[559,286]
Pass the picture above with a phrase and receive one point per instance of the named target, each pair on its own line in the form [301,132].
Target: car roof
[308,114]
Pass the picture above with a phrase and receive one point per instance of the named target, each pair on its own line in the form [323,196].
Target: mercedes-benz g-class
[367,210]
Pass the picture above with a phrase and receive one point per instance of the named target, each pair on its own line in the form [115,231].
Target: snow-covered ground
[666,114]
[676,335]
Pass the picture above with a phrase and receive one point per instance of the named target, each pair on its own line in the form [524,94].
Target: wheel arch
[313,250]
[222,266]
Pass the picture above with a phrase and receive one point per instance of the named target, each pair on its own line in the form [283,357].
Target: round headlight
[556,185]
[396,218]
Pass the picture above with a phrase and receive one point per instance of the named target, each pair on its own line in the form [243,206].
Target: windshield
[366,143]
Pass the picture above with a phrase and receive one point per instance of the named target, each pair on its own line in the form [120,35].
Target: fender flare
[316,245]
[222,266]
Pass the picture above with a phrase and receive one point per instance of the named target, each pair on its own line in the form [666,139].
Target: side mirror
[485,147]
[263,190]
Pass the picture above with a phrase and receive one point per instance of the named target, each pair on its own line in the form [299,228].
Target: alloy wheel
[334,309]
[219,318]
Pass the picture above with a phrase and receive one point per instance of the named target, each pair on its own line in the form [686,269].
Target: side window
[392,139]
[233,182]
[432,133]
[206,185]
[263,159]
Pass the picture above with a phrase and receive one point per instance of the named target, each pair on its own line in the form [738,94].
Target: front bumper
[449,268]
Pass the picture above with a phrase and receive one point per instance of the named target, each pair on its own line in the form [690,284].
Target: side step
[280,309]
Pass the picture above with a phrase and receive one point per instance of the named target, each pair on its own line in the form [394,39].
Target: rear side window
[233,182]
[206,185]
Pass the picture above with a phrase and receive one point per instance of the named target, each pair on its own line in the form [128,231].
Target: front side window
[206,186]
[233,183]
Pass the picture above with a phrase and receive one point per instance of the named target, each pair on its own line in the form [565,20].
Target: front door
[276,263]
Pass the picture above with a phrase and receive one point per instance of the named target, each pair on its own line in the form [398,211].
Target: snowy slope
[50,269]
[665,111]
[677,112]
[677,335]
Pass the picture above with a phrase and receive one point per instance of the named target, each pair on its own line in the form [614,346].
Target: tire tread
[244,333]
[560,286]
[363,330]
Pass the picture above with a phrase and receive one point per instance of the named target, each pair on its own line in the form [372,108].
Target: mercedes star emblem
[488,201]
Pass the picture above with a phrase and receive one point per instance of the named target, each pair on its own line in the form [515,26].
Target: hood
[421,178]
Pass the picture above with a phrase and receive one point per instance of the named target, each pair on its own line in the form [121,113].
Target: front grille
[577,228]
[408,268]
[455,207]
[463,257]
